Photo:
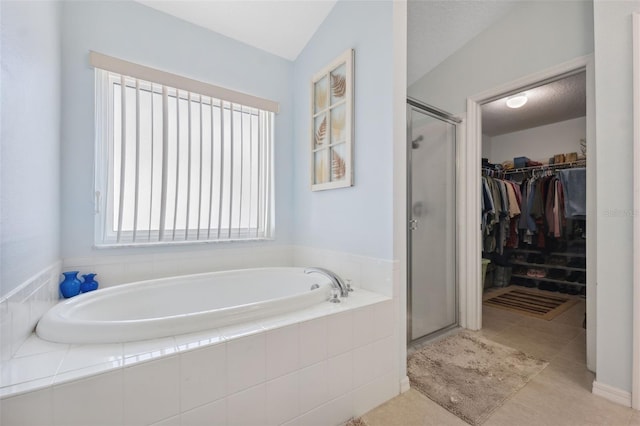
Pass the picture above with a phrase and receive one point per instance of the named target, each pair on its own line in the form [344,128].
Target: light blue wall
[30,134]
[535,36]
[134,32]
[614,135]
[358,219]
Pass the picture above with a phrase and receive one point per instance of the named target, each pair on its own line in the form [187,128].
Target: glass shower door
[432,223]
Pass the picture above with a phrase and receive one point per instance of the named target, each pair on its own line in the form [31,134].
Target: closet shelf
[568,254]
[551,280]
[545,167]
[548,266]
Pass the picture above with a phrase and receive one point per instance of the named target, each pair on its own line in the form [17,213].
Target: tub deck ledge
[39,364]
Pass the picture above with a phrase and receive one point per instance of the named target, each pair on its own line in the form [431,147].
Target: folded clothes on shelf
[536,272]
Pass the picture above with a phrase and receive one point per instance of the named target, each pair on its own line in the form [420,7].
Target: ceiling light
[516,101]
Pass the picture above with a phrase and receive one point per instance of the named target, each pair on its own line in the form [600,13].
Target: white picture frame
[331,138]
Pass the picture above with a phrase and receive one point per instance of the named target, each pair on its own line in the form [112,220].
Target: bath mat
[534,303]
[356,422]
[469,375]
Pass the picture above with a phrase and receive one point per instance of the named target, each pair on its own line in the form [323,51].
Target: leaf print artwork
[321,95]
[320,172]
[331,124]
[338,167]
[321,133]
[338,85]
[338,116]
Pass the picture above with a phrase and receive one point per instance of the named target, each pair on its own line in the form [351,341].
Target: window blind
[131,69]
[178,166]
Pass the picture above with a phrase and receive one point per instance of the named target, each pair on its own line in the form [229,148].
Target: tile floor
[559,395]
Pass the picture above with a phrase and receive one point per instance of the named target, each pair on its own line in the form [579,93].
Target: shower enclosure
[431,153]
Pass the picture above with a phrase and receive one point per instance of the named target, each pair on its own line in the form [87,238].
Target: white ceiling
[281,27]
[436,29]
[551,103]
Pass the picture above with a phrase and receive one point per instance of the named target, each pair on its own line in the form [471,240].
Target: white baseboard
[612,394]
[404,384]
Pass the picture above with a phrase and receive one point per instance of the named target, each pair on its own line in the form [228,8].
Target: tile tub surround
[369,273]
[318,366]
[114,269]
[21,309]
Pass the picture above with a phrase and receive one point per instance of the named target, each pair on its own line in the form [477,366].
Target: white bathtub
[177,305]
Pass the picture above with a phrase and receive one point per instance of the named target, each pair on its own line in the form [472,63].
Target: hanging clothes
[529,212]
[500,207]
[574,182]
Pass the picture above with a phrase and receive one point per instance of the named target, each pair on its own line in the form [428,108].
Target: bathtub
[184,304]
[319,364]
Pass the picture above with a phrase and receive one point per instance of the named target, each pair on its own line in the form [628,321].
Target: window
[176,165]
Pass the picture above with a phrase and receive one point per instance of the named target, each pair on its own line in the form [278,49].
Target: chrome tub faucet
[336,282]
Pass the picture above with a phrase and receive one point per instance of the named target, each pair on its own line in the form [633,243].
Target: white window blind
[174,166]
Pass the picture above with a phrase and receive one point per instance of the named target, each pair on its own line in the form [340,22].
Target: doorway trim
[635,375]
[470,172]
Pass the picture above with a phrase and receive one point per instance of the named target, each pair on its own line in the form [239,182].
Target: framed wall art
[332,124]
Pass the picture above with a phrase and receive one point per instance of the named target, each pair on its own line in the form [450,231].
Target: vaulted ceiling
[280,27]
[438,28]
[435,30]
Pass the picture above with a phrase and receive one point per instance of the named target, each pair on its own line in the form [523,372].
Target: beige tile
[553,329]
[411,409]
[568,373]
[535,331]
[564,404]
[575,350]
[513,413]
[635,419]
[542,348]
[574,316]
[495,323]
[499,319]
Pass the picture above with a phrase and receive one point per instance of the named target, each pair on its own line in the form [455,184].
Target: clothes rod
[567,165]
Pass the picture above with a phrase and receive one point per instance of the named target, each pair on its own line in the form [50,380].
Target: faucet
[336,281]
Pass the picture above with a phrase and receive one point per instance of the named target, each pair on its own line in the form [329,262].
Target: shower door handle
[418,209]
[413,224]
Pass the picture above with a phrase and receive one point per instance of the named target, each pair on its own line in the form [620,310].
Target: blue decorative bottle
[70,286]
[88,283]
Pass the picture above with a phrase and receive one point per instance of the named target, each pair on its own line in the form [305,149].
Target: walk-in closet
[533,197]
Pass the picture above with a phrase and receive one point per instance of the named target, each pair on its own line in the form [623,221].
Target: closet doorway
[431,186]
[574,273]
